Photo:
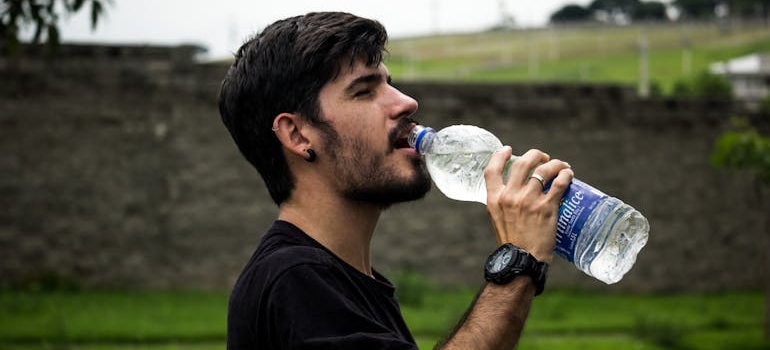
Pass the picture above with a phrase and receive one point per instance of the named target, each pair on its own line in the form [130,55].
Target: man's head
[283,70]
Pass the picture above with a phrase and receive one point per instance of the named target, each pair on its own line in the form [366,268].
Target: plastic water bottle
[599,234]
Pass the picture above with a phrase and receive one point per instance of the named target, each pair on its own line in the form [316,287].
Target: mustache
[403,125]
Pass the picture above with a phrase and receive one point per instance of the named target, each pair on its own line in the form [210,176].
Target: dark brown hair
[282,69]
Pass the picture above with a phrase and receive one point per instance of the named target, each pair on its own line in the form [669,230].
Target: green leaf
[77,4]
[744,148]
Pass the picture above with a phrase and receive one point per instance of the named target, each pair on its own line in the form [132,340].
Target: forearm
[524,220]
[496,318]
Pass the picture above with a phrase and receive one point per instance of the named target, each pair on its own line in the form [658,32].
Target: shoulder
[285,258]
[285,247]
[285,262]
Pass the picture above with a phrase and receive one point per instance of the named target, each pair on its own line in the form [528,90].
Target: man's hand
[525,216]
[519,210]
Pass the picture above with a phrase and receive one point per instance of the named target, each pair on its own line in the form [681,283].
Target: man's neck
[342,226]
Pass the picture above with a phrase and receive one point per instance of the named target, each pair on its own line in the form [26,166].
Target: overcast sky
[222,25]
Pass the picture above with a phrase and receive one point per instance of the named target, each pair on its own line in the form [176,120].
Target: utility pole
[644,64]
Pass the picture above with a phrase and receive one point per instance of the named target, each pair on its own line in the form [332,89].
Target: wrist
[542,256]
[508,262]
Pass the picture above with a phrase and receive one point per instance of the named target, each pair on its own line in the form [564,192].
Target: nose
[404,105]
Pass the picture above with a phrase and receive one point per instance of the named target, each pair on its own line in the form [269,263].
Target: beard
[364,178]
[383,187]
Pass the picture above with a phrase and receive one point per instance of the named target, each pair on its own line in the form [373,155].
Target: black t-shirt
[296,294]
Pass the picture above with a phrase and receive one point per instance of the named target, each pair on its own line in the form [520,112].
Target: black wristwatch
[509,261]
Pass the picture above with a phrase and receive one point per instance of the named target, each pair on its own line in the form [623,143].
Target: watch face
[500,260]
[508,261]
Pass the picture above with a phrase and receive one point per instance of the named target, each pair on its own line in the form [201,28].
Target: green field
[580,53]
[125,320]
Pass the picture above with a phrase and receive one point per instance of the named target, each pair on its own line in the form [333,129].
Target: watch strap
[523,263]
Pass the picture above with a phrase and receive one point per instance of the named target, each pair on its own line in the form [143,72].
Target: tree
[612,11]
[750,9]
[696,9]
[704,85]
[650,11]
[743,147]
[571,13]
[706,9]
[43,16]
[617,11]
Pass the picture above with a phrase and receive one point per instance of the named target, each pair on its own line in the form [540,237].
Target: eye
[363,93]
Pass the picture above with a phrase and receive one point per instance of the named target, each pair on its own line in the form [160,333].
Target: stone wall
[117,172]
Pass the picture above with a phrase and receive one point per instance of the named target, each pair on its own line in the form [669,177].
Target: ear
[293,133]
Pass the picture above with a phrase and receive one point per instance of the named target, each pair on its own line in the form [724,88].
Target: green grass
[124,320]
[122,317]
[586,54]
[568,320]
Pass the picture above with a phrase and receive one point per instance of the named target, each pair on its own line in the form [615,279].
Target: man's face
[370,119]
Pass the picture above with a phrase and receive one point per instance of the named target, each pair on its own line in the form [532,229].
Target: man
[309,103]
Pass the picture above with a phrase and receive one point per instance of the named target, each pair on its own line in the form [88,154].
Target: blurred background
[127,211]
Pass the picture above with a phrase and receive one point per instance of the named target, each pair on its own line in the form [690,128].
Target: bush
[703,85]
[743,147]
[709,85]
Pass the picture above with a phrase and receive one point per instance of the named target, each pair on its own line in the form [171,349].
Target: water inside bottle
[612,251]
[457,159]
[457,175]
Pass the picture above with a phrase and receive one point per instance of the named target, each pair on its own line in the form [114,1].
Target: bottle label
[577,204]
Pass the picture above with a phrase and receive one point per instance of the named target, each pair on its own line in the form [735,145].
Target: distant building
[749,76]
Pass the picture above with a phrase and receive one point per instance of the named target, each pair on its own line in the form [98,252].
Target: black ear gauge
[311,155]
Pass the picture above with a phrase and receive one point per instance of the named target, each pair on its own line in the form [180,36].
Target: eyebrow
[364,80]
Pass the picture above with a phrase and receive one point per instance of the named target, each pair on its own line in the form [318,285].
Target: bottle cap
[418,135]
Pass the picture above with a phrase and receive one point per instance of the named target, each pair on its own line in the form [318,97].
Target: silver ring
[539,178]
